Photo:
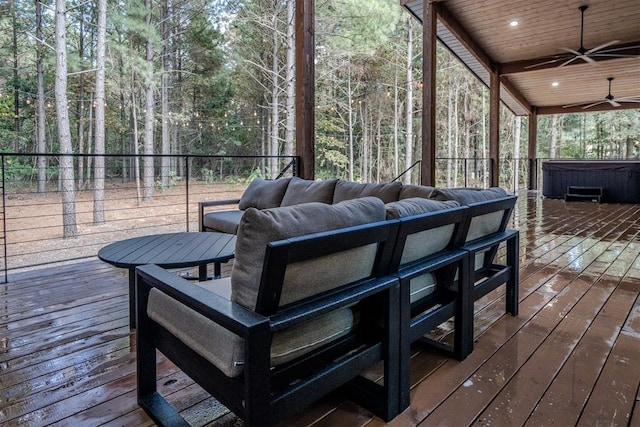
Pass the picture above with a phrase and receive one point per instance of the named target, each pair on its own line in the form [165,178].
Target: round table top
[172,250]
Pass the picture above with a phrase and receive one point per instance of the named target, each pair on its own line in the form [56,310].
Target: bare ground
[33,222]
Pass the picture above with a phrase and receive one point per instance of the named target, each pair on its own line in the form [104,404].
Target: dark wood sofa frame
[451,298]
[263,395]
[491,274]
[202,207]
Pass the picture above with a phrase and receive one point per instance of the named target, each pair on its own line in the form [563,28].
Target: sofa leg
[160,411]
[404,346]
[463,333]
[513,255]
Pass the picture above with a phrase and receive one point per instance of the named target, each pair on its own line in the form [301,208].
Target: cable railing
[33,215]
[32,209]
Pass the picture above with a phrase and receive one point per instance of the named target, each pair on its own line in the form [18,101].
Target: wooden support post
[533,148]
[305,95]
[429,33]
[494,127]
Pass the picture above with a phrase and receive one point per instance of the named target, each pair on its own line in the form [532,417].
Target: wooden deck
[572,355]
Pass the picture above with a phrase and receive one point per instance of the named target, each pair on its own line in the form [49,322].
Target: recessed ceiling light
[513,23]
[555,84]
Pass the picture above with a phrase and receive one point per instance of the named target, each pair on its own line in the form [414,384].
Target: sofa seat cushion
[465,196]
[264,193]
[308,336]
[346,190]
[199,333]
[416,206]
[204,335]
[223,221]
[410,191]
[259,227]
[306,191]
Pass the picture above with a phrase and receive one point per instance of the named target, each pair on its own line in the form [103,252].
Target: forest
[216,77]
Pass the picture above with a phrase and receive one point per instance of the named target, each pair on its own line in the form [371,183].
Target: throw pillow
[264,193]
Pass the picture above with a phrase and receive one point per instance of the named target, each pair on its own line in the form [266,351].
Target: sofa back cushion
[258,228]
[264,193]
[426,241]
[306,191]
[347,190]
[481,225]
[464,196]
[410,191]
[416,206]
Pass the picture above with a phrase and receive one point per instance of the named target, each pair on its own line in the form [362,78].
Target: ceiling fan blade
[545,62]
[602,46]
[575,52]
[577,104]
[628,99]
[613,102]
[614,55]
[615,49]
[586,58]
[568,62]
[593,105]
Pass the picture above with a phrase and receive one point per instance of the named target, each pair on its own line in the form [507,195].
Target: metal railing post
[188,173]
[4,222]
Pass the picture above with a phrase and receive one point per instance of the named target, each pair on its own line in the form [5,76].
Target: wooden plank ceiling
[544,28]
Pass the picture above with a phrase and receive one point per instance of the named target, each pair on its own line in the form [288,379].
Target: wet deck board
[570,357]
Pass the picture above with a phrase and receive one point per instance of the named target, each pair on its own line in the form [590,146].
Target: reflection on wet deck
[569,357]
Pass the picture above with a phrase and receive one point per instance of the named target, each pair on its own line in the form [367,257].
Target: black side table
[173,250]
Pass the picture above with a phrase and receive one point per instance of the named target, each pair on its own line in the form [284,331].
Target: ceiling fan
[615,102]
[586,54]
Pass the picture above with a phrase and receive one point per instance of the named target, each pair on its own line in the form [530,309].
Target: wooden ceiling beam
[461,33]
[477,51]
[526,65]
[559,109]
[509,87]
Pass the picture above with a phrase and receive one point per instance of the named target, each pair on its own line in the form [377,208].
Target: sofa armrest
[227,314]
[483,243]
[209,203]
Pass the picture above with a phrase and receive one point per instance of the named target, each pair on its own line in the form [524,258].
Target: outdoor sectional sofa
[320,292]
[266,194]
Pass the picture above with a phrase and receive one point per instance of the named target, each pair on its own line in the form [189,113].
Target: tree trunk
[516,151]
[148,173]
[16,90]
[396,119]
[290,81]
[408,153]
[467,136]
[350,112]
[456,133]
[70,229]
[164,94]
[136,144]
[485,169]
[80,103]
[450,125]
[553,144]
[379,146]
[90,137]
[41,134]
[275,104]
[98,168]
